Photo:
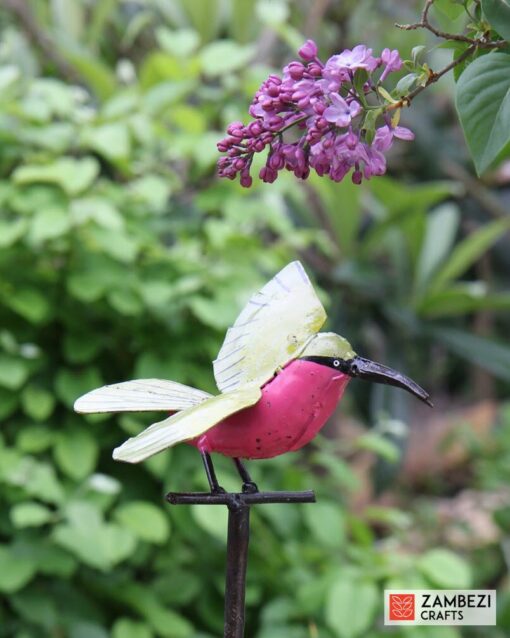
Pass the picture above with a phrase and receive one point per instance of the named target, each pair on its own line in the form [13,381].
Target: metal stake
[237,541]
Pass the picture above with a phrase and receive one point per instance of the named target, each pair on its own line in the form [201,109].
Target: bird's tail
[186,425]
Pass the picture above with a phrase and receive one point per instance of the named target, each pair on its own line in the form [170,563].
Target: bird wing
[142,395]
[271,330]
[185,425]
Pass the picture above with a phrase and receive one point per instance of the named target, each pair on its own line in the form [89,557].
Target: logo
[472,607]
[401,607]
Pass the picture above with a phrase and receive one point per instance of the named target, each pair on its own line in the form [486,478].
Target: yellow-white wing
[142,395]
[185,425]
[270,331]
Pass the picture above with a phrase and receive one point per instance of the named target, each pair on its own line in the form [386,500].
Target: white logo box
[440,607]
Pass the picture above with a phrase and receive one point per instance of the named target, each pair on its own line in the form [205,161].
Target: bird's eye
[336,363]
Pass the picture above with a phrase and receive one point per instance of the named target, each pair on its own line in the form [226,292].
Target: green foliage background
[122,256]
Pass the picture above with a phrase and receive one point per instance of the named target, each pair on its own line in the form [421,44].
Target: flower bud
[314,70]
[308,51]
[255,128]
[296,70]
[246,179]
[357,177]
[267,174]
[234,128]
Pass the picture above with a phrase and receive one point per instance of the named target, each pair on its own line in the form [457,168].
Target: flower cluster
[319,116]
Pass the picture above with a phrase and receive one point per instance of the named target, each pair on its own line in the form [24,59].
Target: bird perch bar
[237,541]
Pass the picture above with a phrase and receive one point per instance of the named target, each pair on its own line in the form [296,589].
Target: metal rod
[245,498]
[238,504]
[237,561]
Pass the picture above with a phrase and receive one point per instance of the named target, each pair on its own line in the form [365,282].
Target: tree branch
[483,43]
[433,77]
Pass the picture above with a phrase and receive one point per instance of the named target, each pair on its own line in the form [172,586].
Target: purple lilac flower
[322,102]
[340,112]
[392,61]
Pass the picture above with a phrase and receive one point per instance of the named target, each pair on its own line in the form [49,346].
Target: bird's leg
[211,474]
[248,484]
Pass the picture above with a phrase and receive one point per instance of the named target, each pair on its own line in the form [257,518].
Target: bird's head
[332,350]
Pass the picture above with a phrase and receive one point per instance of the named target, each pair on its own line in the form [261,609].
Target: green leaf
[115,244]
[483,103]
[36,606]
[449,8]
[126,302]
[37,402]
[405,84]
[71,384]
[126,628]
[97,209]
[462,299]
[10,232]
[16,568]
[468,251]
[147,521]
[30,514]
[327,524]
[351,605]
[442,225]
[224,56]
[86,286]
[83,629]
[81,348]
[272,12]
[13,371]
[76,453]
[344,227]
[172,74]
[54,561]
[35,438]
[486,353]
[165,622]
[213,520]
[497,13]
[72,175]
[87,536]
[30,303]
[112,141]
[100,78]
[379,444]
[152,191]
[8,403]
[445,569]
[212,312]
[49,223]
[205,17]
[37,479]
[181,43]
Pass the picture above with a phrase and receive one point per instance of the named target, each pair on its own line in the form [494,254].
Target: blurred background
[123,256]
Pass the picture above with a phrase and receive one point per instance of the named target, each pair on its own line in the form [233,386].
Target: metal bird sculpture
[280,380]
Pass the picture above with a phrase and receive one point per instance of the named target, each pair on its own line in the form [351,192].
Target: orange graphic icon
[401,606]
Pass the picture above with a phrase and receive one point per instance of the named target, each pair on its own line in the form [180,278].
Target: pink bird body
[294,406]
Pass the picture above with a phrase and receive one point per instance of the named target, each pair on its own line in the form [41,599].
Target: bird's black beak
[371,371]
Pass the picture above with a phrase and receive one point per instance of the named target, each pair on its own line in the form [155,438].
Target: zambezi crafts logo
[440,607]
[401,606]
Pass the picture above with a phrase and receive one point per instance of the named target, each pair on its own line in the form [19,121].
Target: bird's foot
[249,487]
[217,489]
